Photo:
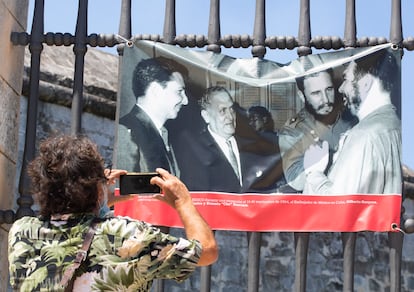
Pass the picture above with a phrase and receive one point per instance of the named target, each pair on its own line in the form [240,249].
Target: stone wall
[13,16]
[55,94]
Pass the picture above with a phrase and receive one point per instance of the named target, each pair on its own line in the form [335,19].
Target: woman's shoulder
[123,225]
[27,220]
[23,223]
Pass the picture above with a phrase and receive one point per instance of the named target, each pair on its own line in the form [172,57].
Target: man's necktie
[232,159]
[170,154]
[164,136]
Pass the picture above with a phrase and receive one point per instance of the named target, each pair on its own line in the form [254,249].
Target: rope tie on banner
[129,43]
[394,226]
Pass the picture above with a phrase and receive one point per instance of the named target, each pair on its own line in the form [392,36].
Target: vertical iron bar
[350,25]
[213,39]
[80,50]
[214,33]
[169,37]
[169,22]
[125,27]
[396,239]
[25,200]
[304,35]
[302,238]
[301,258]
[395,242]
[205,279]
[254,243]
[349,238]
[259,33]
[396,33]
[125,31]
[254,238]
[348,245]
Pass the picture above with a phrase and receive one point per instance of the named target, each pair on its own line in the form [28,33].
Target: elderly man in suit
[213,157]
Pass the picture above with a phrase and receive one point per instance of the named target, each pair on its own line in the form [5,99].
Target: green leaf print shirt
[125,255]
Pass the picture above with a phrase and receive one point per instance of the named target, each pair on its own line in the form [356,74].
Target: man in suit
[205,158]
[212,158]
[143,144]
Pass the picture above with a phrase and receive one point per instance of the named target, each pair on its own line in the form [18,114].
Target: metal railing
[214,41]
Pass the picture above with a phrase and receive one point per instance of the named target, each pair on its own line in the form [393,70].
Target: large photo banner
[311,145]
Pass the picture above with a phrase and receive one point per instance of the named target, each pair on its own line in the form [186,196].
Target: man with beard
[321,119]
[369,160]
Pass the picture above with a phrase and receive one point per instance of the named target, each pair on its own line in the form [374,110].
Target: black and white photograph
[232,125]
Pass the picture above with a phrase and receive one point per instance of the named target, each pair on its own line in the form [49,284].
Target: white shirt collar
[376,98]
[153,117]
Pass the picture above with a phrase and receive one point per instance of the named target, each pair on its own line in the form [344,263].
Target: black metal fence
[214,41]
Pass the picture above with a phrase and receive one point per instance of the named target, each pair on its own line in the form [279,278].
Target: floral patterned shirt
[125,254]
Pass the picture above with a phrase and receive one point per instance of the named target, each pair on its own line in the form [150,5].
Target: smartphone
[138,183]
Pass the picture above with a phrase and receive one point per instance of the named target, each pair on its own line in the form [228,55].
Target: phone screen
[138,183]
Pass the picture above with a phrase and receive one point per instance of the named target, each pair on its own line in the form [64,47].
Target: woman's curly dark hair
[65,175]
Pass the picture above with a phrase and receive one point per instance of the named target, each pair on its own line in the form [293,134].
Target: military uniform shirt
[298,134]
